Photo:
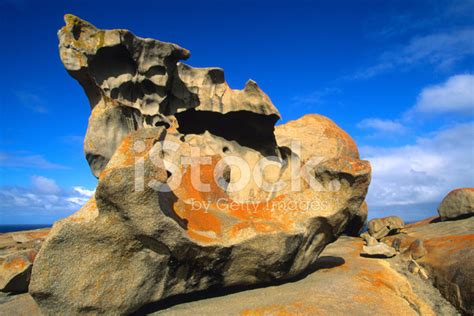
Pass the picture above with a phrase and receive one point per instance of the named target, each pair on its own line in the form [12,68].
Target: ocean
[15,228]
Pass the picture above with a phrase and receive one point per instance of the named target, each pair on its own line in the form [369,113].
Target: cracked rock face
[197,190]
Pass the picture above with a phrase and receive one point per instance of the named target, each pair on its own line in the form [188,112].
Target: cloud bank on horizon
[399,78]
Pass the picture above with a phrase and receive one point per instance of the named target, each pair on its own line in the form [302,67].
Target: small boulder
[396,244]
[369,240]
[379,250]
[458,203]
[15,271]
[381,227]
[416,249]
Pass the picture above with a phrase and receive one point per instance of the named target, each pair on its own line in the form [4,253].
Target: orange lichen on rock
[87,212]
[293,308]
[211,215]
[450,245]
[319,135]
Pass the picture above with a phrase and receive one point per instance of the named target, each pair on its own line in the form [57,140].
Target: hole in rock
[111,61]
[248,129]
[76,31]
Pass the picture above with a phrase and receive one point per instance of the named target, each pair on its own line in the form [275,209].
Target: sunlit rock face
[197,188]
[134,82]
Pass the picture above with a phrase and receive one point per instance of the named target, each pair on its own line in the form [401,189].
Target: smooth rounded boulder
[458,203]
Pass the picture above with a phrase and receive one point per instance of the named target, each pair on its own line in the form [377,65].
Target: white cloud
[421,173]
[83,195]
[17,160]
[32,101]
[382,125]
[44,185]
[43,195]
[441,50]
[454,95]
[84,192]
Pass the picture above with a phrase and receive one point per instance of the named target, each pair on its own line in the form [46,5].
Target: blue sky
[397,75]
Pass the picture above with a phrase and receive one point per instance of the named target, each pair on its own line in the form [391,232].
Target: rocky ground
[342,281]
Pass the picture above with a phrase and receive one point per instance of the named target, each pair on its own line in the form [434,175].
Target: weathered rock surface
[369,240]
[171,215]
[134,83]
[321,139]
[457,204]
[381,227]
[17,253]
[447,255]
[18,305]
[379,250]
[340,282]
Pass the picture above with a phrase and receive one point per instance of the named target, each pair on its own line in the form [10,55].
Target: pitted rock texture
[134,83]
[457,204]
[151,231]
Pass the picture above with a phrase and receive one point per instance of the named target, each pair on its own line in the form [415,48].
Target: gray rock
[457,204]
[416,249]
[135,83]
[381,227]
[369,240]
[379,250]
[396,244]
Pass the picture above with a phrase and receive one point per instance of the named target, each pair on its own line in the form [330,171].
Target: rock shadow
[322,263]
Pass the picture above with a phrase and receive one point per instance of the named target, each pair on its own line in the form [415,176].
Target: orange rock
[448,258]
[15,271]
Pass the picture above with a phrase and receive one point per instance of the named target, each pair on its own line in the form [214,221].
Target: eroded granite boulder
[457,204]
[208,196]
[134,83]
[381,227]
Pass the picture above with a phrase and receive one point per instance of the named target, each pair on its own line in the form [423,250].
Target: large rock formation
[341,282]
[134,82]
[196,190]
